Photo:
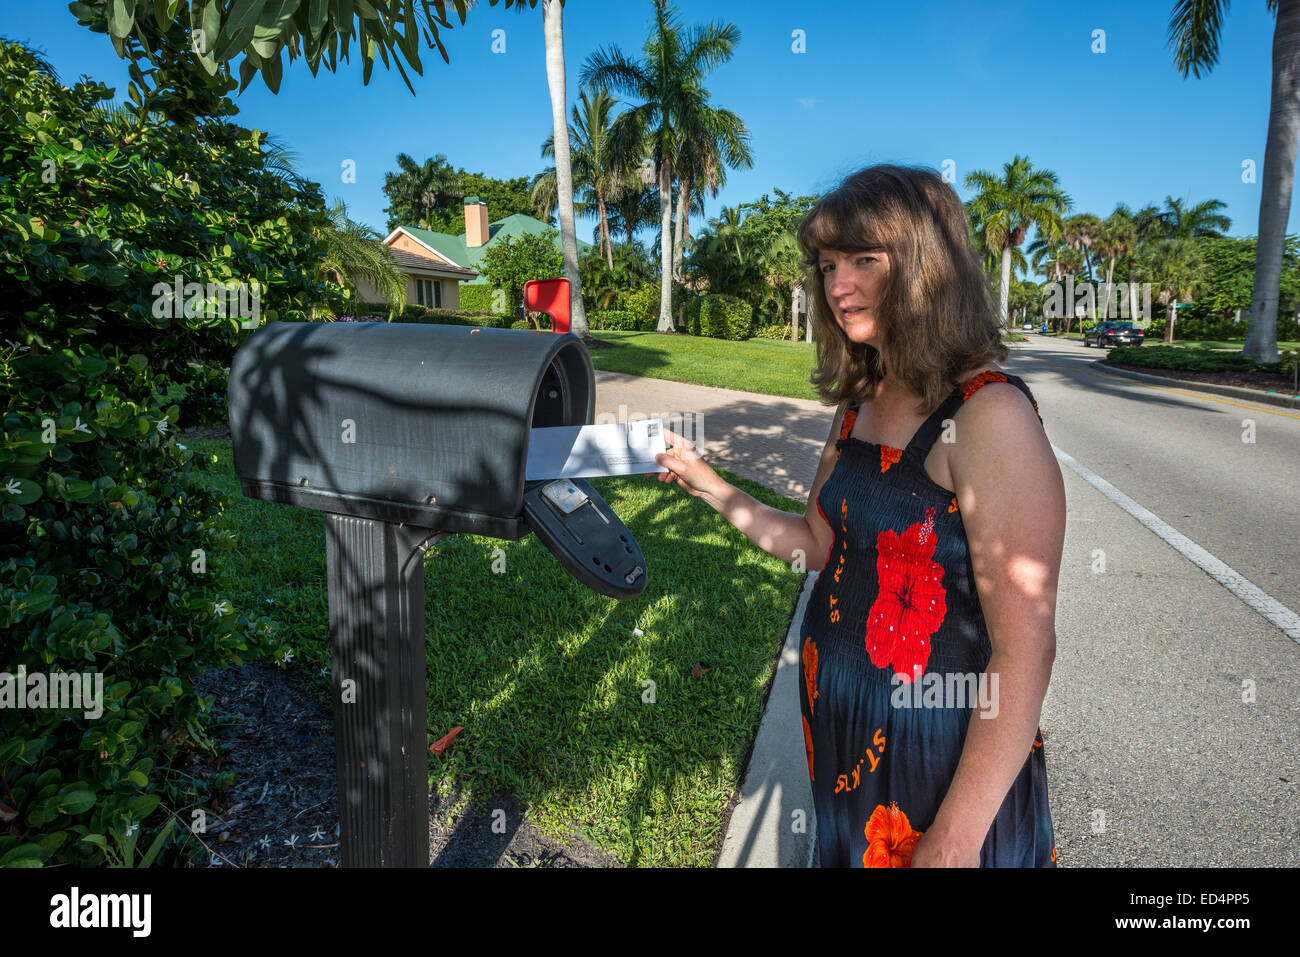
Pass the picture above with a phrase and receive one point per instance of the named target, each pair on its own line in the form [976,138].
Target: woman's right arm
[781,534]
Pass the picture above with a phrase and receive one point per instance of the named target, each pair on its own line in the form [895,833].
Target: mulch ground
[283,809]
[1260,381]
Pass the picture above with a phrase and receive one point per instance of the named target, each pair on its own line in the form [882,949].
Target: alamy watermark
[689,425]
[951,690]
[224,300]
[1117,300]
[60,690]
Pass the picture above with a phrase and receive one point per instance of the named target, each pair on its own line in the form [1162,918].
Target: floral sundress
[893,656]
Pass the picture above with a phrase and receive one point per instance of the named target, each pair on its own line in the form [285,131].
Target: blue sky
[974,83]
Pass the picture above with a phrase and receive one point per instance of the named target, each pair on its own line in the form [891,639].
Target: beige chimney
[476,222]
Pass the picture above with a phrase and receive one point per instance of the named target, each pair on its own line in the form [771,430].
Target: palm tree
[594,169]
[634,207]
[1116,238]
[666,82]
[1174,266]
[553,31]
[1194,29]
[1004,209]
[711,140]
[1203,219]
[1080,232]
[356,252]
[424,187]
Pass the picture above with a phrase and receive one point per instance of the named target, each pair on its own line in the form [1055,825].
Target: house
[436,264]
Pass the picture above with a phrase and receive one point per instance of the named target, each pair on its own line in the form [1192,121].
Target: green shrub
[772,331]
[612,319]
[479,298]
[108,533]
[642,304]
[1184,358]
[724,317]
[1218,328]
[451,317]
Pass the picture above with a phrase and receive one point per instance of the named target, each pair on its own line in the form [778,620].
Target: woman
[937,519]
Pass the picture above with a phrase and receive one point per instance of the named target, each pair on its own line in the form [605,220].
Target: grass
[547,677]
[769,366]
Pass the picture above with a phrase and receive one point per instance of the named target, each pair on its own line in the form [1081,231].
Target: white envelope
[585,451]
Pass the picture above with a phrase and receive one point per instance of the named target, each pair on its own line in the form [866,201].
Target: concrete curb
[761,831]
[1267,398]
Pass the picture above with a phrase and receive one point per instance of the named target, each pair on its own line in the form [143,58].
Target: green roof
[454,248]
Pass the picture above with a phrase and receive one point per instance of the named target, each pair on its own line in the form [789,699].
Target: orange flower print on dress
[807,745]
[890,838]
[810,672]
[911,603]
[850,417]
[952,506]
[992,375]
[888,456]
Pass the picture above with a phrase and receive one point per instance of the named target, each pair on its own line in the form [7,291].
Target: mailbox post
[403,434]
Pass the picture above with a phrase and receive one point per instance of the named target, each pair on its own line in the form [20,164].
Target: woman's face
[854,283]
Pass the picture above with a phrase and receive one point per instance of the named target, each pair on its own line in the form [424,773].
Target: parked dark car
[1112,333]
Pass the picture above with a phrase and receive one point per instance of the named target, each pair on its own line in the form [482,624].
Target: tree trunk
[665,245]
[1132,294]
[683,212]
[553,27]
[795,290]
[1170,319]
[1005,289]
[604,230]
[1110,275]
[1278,180]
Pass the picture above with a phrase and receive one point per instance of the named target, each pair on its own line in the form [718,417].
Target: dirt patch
[1260,381]
[283,809]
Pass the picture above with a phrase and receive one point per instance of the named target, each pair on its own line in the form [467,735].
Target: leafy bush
[478,298]
[773,331]
[1193,359]
[612,319]
[108,530]
[513,261]
[723,317]
[1218,328]
[452,317]
[642,304]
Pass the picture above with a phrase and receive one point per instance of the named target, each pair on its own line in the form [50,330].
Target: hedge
[480,298]
[722,317]
[1195,359]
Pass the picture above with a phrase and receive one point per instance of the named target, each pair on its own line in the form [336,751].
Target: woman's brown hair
[936,306]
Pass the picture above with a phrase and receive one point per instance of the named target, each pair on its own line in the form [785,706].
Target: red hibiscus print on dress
[911,602]
[890,838]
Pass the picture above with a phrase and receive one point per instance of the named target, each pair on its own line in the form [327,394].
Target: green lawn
[547,677]
[769,366]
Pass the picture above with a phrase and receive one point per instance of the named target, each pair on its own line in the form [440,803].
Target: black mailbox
[402,434]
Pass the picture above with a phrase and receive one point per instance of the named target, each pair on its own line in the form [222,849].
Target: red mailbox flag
[550,296]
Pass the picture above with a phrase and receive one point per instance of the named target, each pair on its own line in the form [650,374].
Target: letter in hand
[685,466]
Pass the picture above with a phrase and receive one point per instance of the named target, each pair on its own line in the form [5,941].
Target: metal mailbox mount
[401,434]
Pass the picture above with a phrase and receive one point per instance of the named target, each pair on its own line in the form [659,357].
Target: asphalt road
[1154,758]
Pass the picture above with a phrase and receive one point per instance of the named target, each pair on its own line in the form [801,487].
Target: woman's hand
[936,849]
[685,466]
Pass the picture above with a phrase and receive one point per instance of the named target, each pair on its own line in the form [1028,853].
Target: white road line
[1254,596]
